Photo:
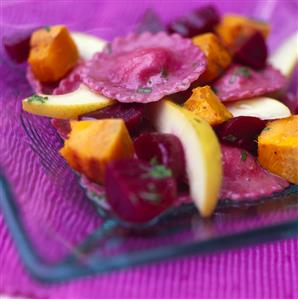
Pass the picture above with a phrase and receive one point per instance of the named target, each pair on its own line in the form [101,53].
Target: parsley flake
[230,138]
[243,155]
[151,196]
[241,71]
[160,172]
[214,89]
[37,98]
[154,161]
[164,73]
[47,28]
[144,90]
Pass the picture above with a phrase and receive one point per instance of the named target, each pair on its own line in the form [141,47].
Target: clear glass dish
[60,234]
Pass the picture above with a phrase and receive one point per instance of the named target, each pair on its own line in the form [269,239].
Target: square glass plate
[60,234]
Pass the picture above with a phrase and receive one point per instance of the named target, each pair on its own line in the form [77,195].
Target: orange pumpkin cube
[94,143]
[205,103]
[233,29]
[278,148]
[218,58]
[53,53]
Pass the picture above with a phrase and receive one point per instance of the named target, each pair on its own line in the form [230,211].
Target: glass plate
[60,234]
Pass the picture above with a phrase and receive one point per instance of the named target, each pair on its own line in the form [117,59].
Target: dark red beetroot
[132,114]
[151,22]
[166,148]
[241,131]
[17,45]
[253,51]
[196,22]
[138,191]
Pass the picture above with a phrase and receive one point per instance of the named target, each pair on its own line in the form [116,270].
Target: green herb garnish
[241,71]
[154,161]
[266,129]
[37,98]
[160,172]
[151,196]
[47,28]
[230,138]
[164,73]
[243,155]
[144,90]
[214,89]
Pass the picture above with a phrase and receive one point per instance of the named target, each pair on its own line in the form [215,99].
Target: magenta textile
[260,271]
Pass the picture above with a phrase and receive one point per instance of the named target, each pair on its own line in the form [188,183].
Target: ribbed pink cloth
[261,271]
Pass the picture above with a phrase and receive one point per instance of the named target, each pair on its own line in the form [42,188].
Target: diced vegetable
[205,103]
[233,29]
[252,52]
[218,58]
[53,53]
[278,148]
[241,131]
[94,143]
[161,148]
[138,191]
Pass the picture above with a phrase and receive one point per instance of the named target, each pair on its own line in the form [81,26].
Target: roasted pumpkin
[53,53]
[205,103]
[94,143]
[278,148]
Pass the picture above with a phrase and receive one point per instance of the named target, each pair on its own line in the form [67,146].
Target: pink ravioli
[144,67]
[241,82]
[244,178]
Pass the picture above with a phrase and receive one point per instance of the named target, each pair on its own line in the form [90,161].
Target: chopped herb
[241,71]
[164,73]
[47,28]
[197,120]
[144,90]
[243,155]
[151,196]
[37,98]
[230,138]
[160,172]
[154,161]
[214,89]
[266,129]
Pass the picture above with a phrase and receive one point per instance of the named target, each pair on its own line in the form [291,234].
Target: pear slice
[261,107]
[201,148]
[88,44]
[66,106]
[286,56]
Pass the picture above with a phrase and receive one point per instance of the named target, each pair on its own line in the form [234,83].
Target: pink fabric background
[262,271]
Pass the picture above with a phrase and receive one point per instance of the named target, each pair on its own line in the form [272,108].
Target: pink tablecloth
[262,271]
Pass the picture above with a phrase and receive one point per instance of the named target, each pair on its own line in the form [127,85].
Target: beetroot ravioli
[144,68]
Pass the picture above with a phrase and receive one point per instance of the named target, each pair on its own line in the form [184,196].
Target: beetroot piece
[132,114]
[241,131]
[17,45]
[62,126]
[244,178]
[240,82]
[253,52]
[291,100]
[165,148]
[150,22]
[144,68]
[196,22]
[138,191]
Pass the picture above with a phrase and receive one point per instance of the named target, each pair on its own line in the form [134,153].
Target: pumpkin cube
[218,57]
[233,29]
[53,53]
[92,144]
[205,103]
[278,148]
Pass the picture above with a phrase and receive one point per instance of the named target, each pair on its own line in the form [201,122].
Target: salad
[192,111]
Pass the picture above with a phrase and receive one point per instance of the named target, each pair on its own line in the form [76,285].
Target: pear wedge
[286,56]
[88,44]
[261,107]
[201,148]
[66,106]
